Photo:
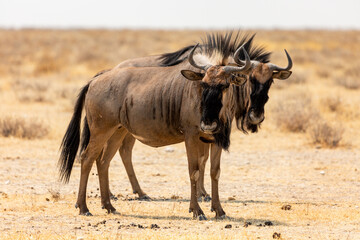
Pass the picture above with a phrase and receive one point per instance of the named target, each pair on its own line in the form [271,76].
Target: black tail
[85,136]
[70,142]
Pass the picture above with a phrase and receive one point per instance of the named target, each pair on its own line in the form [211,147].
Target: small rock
[276,235]
[286,207]
[169,149]
[231,198]
[79,238]
[268,223]
[228,226]
[7,182]
[154,225]
[47,199]
[322,172]
[246,224]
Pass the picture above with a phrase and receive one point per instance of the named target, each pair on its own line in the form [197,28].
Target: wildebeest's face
[261,78]
[215,83]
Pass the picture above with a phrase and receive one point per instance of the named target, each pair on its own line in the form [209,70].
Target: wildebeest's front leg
[191,145]
[103,164]
[126,155]
[203,157]
[215,156]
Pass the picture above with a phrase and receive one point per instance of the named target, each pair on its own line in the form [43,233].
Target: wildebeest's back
[149,102]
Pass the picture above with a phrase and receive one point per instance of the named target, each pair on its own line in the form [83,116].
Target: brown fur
[130,100]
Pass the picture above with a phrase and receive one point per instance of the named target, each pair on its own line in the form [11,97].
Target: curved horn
[274,67]
[247,62]
[193,63]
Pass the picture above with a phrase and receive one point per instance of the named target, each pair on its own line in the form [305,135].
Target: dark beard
[252,127]
[222,138]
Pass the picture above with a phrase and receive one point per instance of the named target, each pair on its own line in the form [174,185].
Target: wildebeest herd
[190,95]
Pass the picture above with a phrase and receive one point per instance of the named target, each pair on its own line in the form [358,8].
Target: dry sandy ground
[259,175]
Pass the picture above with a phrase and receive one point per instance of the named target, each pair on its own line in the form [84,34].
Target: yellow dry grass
[41,72]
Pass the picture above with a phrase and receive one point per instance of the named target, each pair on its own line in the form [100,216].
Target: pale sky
[166,14]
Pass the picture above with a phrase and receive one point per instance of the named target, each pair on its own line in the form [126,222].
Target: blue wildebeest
[248,106]
[243,100]
[157,107]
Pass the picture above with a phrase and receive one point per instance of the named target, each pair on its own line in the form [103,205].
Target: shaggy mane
[218,47]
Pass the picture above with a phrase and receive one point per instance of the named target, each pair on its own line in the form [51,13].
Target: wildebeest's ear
[193,76]
[282,75]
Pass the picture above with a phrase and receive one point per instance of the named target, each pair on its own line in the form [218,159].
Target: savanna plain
[297,178]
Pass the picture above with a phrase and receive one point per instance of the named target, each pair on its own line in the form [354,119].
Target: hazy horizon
[161,14]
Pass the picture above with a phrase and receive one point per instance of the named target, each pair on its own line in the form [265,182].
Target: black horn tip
[289,60]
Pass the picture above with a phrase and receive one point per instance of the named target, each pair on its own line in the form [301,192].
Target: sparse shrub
[295,112]
[349,82]
[23,127]
[332,103]
[47,64]
[35,85]
[325,134]
[32,90]
[350,78]
[323,73]
[32,96]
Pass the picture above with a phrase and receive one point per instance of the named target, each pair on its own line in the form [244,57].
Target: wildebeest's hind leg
[126,156]
[203,157]
[103,163]
[93,150]
[215,175]
[192,145]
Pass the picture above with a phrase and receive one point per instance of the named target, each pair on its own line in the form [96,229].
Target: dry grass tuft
[348,82]
[350,78]
[325,134]
[23,127]
[33,90]
[48,64]
[295,113]
[55,194]
[332,103]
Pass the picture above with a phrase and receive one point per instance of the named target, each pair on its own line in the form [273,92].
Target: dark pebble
[154,226]
[268,223]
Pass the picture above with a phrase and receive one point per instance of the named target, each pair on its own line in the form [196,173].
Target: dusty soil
[260,175]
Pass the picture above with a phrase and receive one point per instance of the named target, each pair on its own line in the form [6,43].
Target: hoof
[144,198]
[211,209]
[88,214]
[76,205]
[207,198]
[202,217]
